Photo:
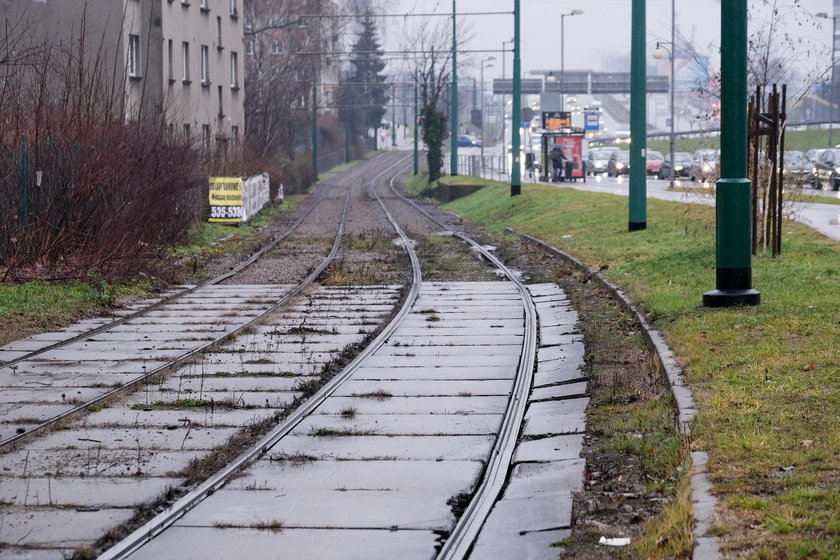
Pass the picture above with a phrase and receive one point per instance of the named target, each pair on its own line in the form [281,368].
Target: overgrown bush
[83,189]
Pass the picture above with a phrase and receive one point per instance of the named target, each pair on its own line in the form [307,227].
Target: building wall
[189,100]
[152,84]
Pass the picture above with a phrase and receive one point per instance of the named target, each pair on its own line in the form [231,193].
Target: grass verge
[766,378]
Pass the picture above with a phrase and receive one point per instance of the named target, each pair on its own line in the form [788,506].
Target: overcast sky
[602,31]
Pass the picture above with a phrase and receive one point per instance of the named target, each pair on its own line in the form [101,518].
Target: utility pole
[393,114]
[453,160]
[516,117]
[416,130]
[638,121]
[733,198]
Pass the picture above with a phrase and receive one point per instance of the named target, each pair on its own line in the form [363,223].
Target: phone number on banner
[224,212]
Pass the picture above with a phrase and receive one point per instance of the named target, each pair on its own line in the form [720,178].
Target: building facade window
[234,9]
[276,47]
[187,133]
[185,61]
[205,136]
[203,4]
[234,133]
[169,60]
[221,102]
[219,44]
[234,70]
[249,47]
[205,65]
[134,56]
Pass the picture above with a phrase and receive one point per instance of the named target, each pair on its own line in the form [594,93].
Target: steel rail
[254,257]
[466,530]
[18,438]
[165,519]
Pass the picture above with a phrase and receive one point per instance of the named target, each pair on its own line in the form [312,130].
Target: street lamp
[504,108]
[575,12]
[824,15]
[483,60]
[658,54]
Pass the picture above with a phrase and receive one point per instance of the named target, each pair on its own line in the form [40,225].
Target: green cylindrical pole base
[637,226]
[734,246]
[515,190]
[731,298]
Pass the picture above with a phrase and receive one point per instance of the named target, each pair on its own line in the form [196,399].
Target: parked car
[705,165]
[619,163]
[468,141]
[653,162]
[599,159]
[827,170]
[813,155]
[682,164]
[797,169]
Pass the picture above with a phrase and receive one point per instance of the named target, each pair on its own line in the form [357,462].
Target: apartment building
[178,58]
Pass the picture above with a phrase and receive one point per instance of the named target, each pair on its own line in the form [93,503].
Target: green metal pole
[733,198]
[416,131]
[453,160]
[638,121]
[515,117]
[315,130]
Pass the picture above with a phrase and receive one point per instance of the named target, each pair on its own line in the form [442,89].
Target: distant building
[179,58]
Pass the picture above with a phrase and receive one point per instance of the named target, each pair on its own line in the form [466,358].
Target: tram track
[461,538]
[442,389]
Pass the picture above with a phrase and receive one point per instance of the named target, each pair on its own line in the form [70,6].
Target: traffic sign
[592,120]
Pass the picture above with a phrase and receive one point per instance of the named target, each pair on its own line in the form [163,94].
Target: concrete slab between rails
[17,553]
[460,350]
[237,397]
[422,388]
[402,424]
[560,371]
[100,463]
[436,373]
[129,437]
[561,352]
[64,491]
[342,494]
[529,546]
[396,448]
[59,527]
[413,405]
[164,418]
[555,448]
[184,386]
[437,477]
[223,544]
[466,339]
[556,392]
[534,512]
[505,360]
[555,418]
[15,412]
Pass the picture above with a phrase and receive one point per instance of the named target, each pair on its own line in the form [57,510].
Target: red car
[654,162]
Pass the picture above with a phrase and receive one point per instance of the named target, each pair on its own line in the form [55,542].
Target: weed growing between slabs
[765,378]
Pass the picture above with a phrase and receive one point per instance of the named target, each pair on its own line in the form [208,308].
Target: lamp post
[483,60]
[504,107]
[733,192]
[824,15]
[515,178]
[453,160]
[416,130]
[562,58]
[657,54]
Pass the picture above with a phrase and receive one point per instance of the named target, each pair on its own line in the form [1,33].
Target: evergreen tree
[363,100]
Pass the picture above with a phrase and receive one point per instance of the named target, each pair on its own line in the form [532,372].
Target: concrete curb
[705,547]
